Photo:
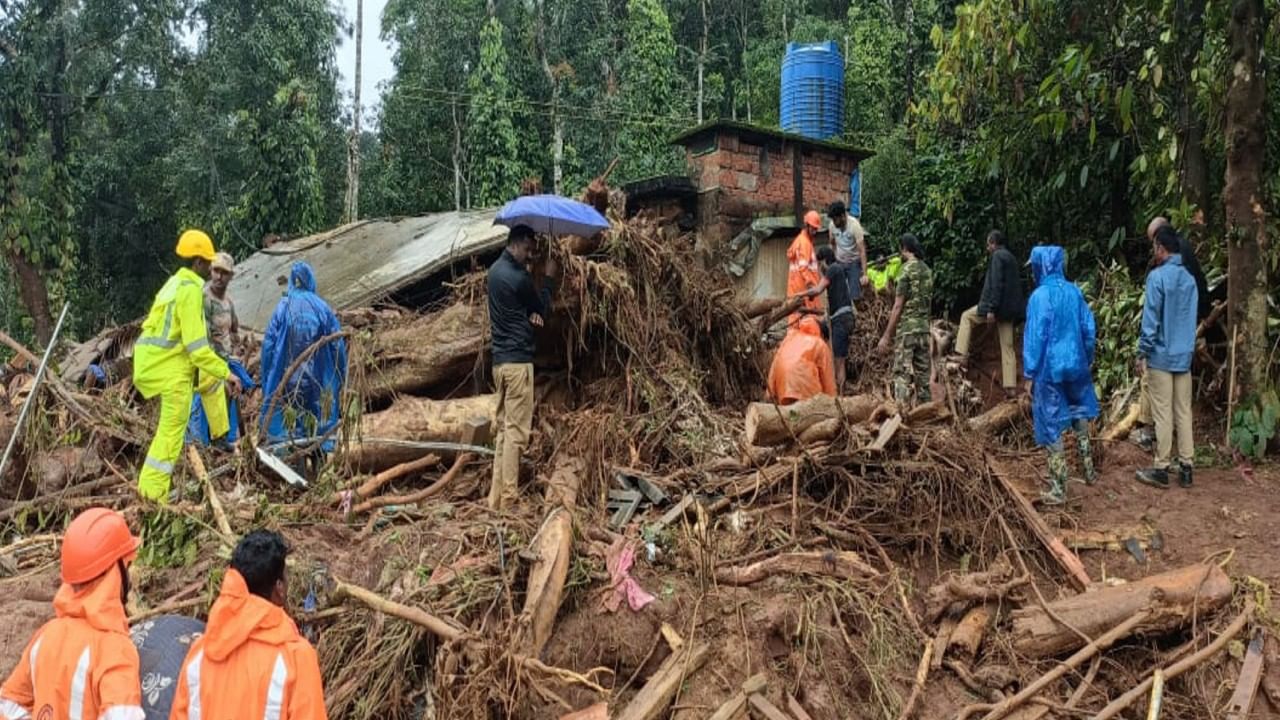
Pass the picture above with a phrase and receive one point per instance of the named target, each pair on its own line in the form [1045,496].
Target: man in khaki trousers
[1002,303]
[515,309]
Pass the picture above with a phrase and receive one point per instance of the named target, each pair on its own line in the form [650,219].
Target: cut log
[930,412]
[653,699]
[552,549]
[1171,599]
[768,424]
[968,635]
[416,419]
[1000,417]
[842,564]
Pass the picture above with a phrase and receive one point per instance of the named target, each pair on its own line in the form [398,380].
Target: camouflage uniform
[911,344]
[1057,493]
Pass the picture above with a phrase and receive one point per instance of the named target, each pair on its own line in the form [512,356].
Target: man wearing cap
[224,337]
[802,267]
[82,663]
[173,359]
[908,327]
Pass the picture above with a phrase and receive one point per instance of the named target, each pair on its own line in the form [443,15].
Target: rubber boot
[1086,456]
[1057,492]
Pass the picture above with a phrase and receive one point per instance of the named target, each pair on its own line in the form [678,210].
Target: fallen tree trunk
[1170,600]
[420,420]
[429,351]
[840,564]
[657,693]
[768,424]
[1000,417]
[552,549]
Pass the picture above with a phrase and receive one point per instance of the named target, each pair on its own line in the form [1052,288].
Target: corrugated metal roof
[360,263]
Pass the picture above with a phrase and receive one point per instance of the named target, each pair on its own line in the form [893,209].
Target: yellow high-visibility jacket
[174,341]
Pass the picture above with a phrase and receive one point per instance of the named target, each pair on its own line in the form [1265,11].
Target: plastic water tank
[813,90]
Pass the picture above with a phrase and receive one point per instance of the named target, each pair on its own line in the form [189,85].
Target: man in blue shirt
[1165,347]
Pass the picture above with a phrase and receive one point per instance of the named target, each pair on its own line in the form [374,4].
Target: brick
[746,181]
[728,179]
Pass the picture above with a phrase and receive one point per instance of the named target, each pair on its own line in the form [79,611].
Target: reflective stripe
[78,681]
[275,693]
[124,712]
[160,466]
[13,710]
[201,343]
[193,686]
[157,342]
[35,653]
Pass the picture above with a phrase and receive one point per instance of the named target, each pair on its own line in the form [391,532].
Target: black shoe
[1155,477]
[1184,476]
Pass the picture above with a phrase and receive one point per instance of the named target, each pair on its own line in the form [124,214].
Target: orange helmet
[94,541]
[813,219]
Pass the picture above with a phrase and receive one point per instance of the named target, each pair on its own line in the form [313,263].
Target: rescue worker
[312,394]
[850,247]
[1057,353]
[82,663]
[909,326]
[251,661]
[515,309]
[1001,303]
[802,272]
[173,354]
[802,366]
[224,336]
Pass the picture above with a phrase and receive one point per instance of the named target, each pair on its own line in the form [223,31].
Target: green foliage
[491,134]
[1255,423]
[168,540]
[652,95]
[1116,299]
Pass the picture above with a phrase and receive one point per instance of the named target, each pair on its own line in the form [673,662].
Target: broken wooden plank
[675,513]
[1247,684]
[762,708]
[794,706]
[1066,559]
[737,703]
[652,700]
[888,429]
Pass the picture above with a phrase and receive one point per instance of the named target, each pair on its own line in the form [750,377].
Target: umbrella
[552,215]
[162,644]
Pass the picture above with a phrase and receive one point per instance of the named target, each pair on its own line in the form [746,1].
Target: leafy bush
[1254,424]
[1116,299]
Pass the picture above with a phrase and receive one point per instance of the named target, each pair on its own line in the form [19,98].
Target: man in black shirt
[1002,303]
[515,309]
[838,284]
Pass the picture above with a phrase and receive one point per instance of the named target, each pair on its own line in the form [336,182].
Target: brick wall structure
[743,172]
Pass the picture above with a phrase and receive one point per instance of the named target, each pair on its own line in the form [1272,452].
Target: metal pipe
[35,387]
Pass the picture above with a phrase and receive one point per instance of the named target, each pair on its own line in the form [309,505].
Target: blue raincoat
[198,425]
[1057,348]
[308,406]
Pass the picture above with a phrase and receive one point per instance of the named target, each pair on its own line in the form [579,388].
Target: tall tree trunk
[557,121]
[1193,171]
[457,159]
[352,209]
[1242,200]
[909,22]
[702,59]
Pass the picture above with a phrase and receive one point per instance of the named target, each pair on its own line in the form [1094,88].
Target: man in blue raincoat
[308,404]
[1057,352]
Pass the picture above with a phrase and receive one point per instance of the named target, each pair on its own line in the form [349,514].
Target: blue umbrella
[552,215]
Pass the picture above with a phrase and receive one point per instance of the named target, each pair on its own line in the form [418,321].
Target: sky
[377,56]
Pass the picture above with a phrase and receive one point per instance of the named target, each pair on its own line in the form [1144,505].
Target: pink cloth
[619,559]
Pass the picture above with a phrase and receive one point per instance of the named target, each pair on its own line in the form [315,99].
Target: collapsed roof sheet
[359,263]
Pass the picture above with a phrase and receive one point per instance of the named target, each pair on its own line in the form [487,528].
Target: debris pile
[681,550]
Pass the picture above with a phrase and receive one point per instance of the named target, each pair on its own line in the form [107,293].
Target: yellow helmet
[195,244]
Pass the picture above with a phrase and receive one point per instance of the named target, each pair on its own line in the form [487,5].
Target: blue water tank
[813,90]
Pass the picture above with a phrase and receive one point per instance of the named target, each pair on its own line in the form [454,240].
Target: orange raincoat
[81,665]
[803,366]
[802,271]
[251,663]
